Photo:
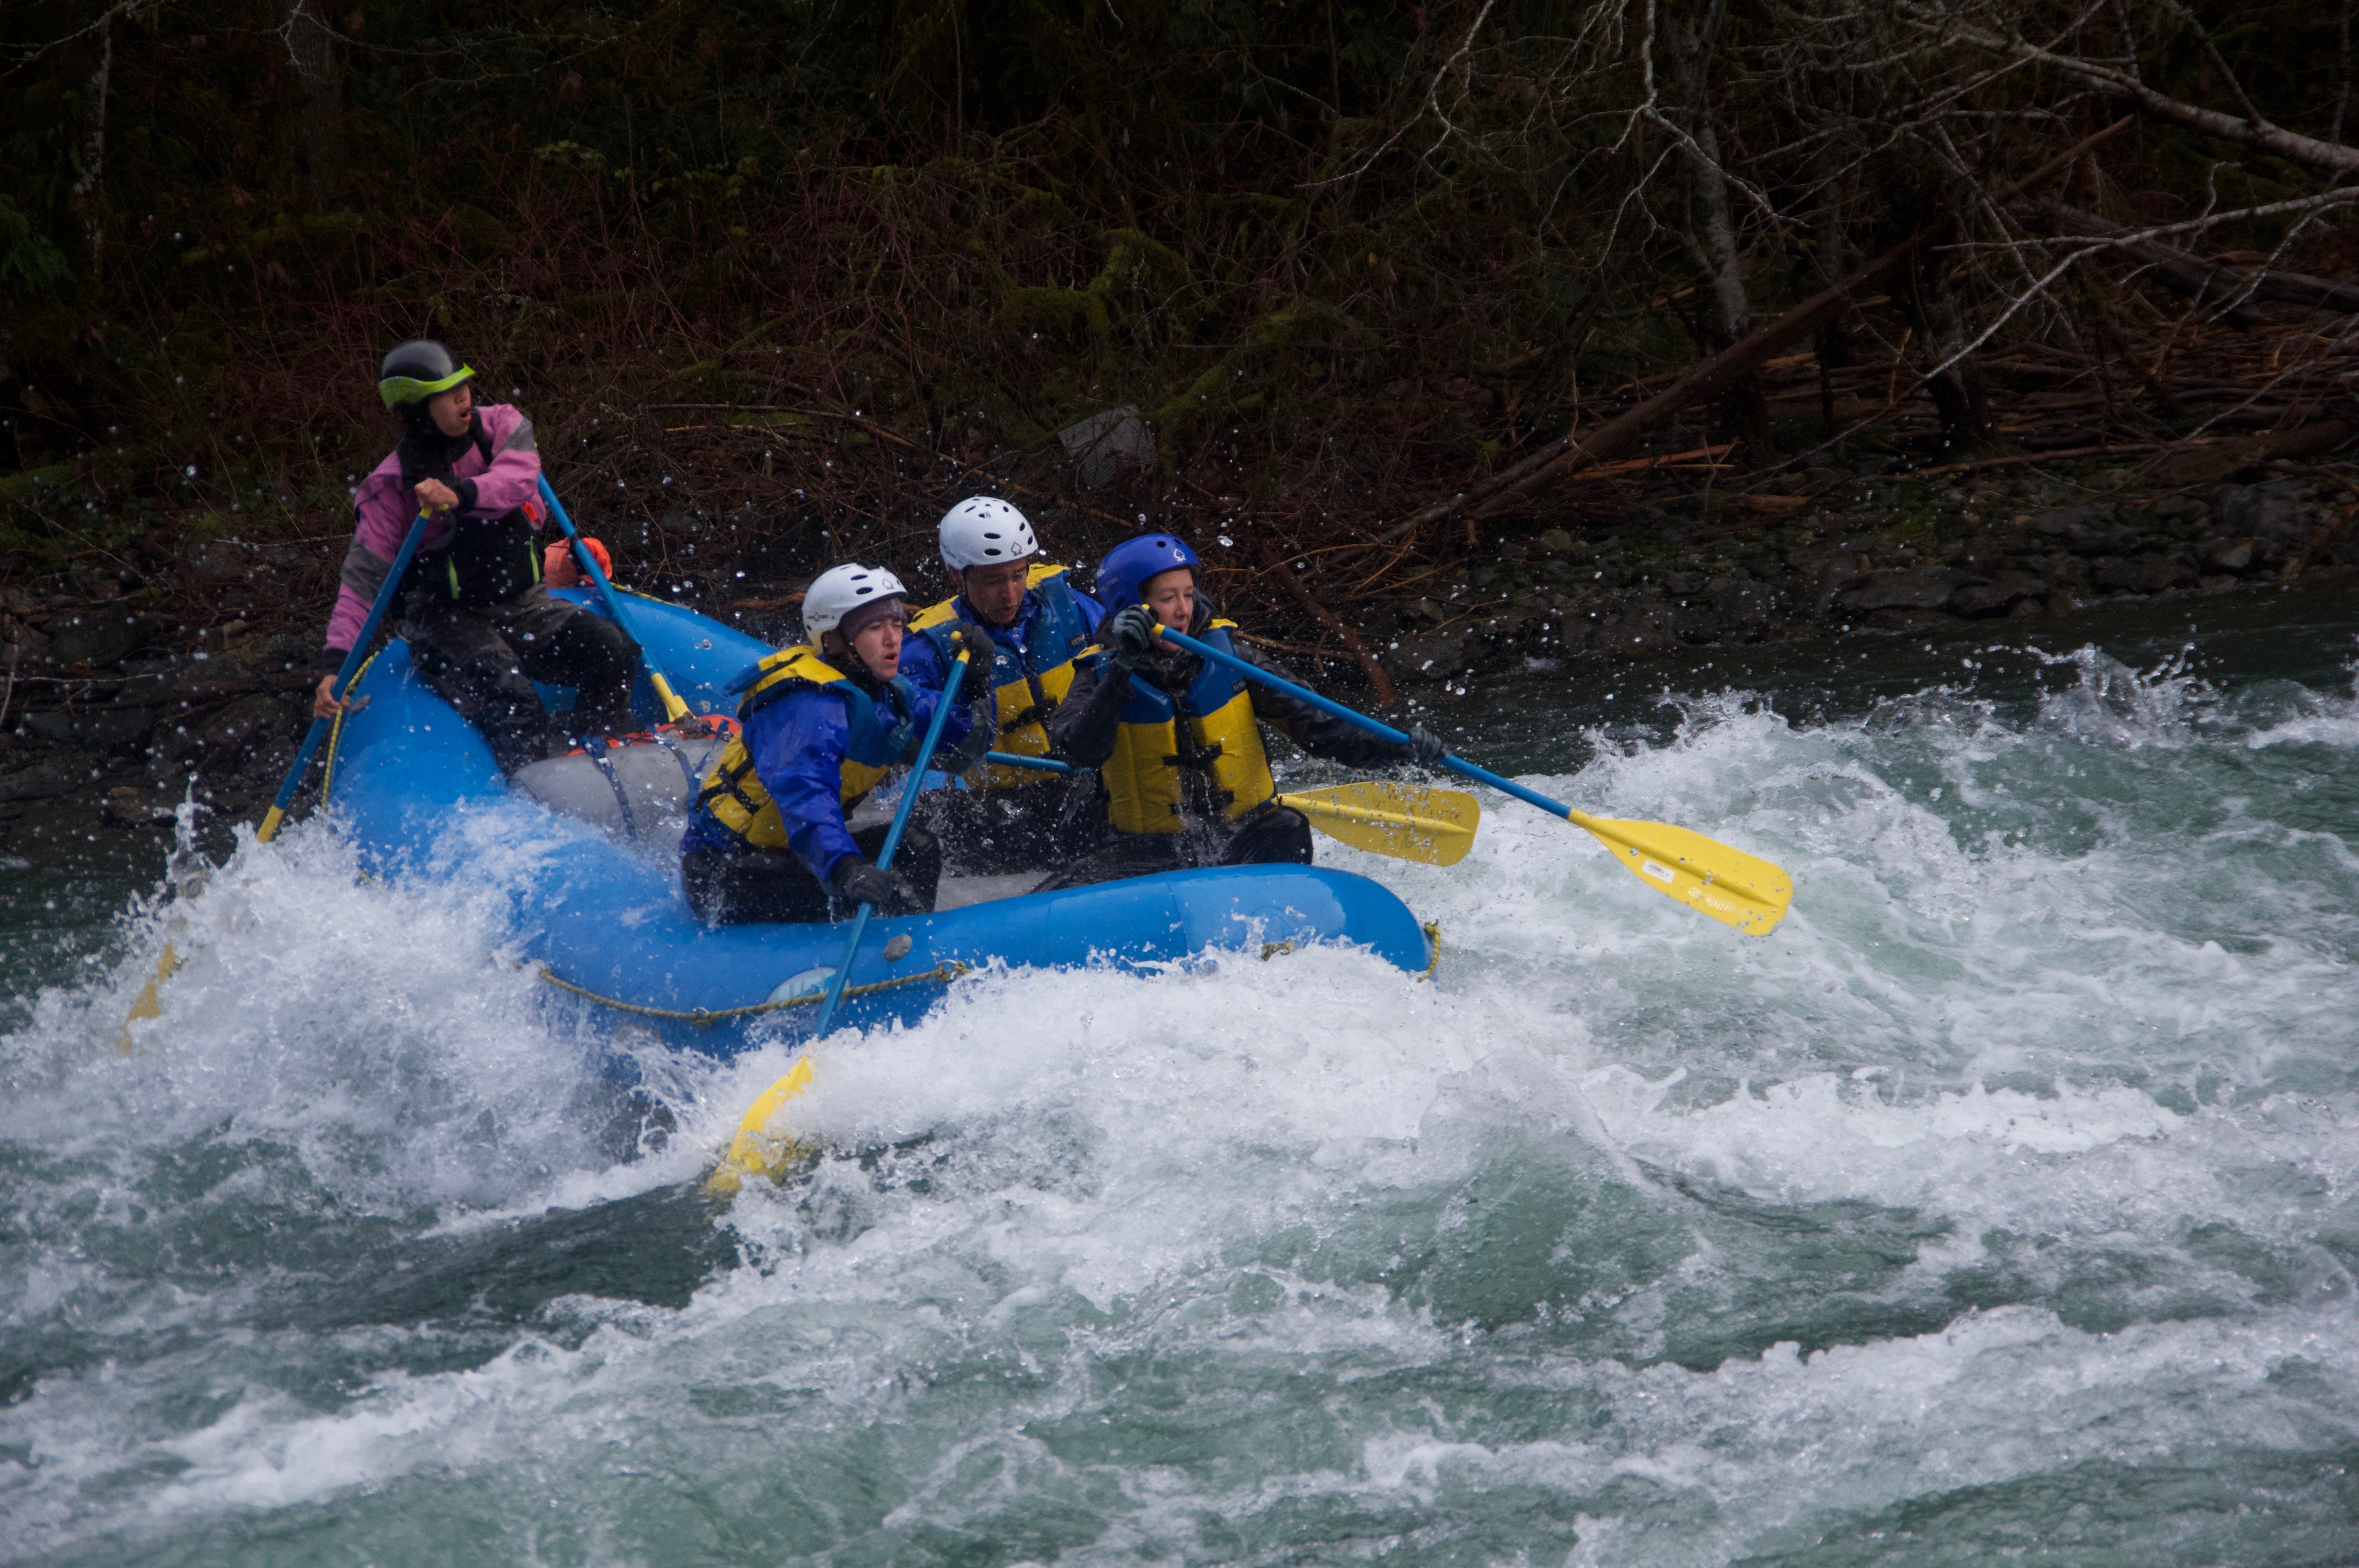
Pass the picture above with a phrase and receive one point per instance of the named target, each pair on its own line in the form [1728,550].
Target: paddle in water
[147,1004]
[754,1149]
[1407,822]
[1733,887]
[354,660]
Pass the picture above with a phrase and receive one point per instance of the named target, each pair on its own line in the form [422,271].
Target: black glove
[981,730]
[1424,747]
[980,650]
[1129,636]
[857,882]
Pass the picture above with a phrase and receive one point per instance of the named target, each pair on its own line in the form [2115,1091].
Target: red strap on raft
[704,727]
[560,570]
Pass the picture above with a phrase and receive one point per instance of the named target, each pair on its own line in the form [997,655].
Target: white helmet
[983,531]
[839,591]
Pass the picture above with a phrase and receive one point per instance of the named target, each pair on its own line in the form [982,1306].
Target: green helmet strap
[397,389]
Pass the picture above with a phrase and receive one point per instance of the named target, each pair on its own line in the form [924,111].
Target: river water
[2004,1202]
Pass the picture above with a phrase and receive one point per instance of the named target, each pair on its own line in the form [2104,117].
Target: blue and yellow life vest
[1209,731]
[732,792]
[1029,684]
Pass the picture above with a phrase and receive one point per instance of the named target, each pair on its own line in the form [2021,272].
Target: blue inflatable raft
[415,787]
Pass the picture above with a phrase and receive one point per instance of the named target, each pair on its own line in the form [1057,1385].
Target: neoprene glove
[1129,636]
[981,730]
[980,650]
[1424,747]
[860,882]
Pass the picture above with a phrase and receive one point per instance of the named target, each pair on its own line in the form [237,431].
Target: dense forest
[1355,296]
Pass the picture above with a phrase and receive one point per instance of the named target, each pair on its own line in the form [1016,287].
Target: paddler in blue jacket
[824,723]
[1008,819]
[1177,740]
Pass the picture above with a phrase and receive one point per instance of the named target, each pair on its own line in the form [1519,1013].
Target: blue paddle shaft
[1327,705]
[1037,764]
[353,662]
[910,792]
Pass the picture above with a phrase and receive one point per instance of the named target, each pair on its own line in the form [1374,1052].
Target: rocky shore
[1863,550]
[114,710]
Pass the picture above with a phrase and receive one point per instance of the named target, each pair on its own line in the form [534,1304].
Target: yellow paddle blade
[1435,826]
[756,1151]
[1733,887]
[147,1005]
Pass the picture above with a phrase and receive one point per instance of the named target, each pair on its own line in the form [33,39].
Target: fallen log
[2217,461]
[1574,452]
[2199,280]
[2175,270]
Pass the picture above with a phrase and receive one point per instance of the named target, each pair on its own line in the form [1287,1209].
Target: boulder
[101,728]
[1746,602]
[1432,657]
[59,773]
[1926,587]
[2002,593]
[2234,554]
[243,722]
[2269,514]
[219,560]
[94,637]
[2143,574]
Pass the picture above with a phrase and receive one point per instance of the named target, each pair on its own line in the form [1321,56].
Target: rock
[104,728]
[2233,554]
[1108,446]
[1907,620]
[126,807]
[2002,593]
[2181,508]
[94,639]
[1430,656]
[1745,603]
[2068,571]
[219,560]
[2215,584]
[2064,524]
[243,722]
[2143,574]
[2272,515]
[61,773]
[1928,588]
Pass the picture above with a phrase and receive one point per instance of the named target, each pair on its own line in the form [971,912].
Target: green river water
[2004,1204]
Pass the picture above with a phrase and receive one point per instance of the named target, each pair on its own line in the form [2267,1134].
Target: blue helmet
[1128,565]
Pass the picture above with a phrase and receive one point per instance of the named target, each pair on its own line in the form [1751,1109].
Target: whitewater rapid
[2000,1201]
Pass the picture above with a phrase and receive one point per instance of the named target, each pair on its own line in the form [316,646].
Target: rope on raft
[944,973]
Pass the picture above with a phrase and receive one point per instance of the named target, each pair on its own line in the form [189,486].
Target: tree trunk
[86,199]
[1710,231]
[319,62]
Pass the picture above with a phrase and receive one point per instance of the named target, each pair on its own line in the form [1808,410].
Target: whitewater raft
[599,912]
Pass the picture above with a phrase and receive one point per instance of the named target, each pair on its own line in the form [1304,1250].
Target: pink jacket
[386,510]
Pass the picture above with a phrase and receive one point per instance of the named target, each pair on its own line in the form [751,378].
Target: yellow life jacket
[732,795]
[1202,750]
[1027,683]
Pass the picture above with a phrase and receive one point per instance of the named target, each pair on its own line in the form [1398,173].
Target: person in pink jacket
[481,627]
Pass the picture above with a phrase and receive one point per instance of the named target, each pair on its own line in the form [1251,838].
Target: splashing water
[1998,1204]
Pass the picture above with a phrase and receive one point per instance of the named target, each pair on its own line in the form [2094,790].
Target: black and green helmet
[417,371]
